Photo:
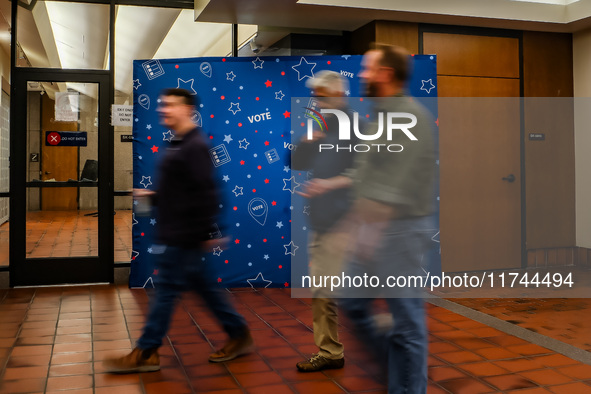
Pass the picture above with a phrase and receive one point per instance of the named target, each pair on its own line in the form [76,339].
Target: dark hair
[188,98]
[395,57]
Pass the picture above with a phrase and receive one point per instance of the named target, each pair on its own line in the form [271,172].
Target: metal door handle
[510,178]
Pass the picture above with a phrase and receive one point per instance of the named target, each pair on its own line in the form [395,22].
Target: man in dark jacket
[329,238]
[187,203]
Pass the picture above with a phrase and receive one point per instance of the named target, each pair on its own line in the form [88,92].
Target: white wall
[582,89]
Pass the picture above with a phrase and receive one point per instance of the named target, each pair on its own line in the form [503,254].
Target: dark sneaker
[136,361]
[319,363]
[235,347]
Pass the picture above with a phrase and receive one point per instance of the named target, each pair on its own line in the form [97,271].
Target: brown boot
[235,347]
[137,361]
[319,363]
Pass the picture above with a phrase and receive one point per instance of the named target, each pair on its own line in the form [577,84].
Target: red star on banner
[266,181]
[237,241]
[437,122]
[154,148]
[155,272]
[266,143]
[274,203]
[287,114]
[286,284]
[241,162]
[268,83]
[219,280]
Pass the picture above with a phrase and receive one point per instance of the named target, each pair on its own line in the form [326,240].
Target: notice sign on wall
[122,115]
[65,138]
[67,106]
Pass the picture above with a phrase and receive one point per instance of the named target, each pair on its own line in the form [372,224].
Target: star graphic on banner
[234,107]
[347,92]
[187,85]
[149,281]
[168,136]
[150,250]
[136,84]
[437,122]
[259,278]
[153,222]
[135,202]
[307,210]
[279,224]
[228,138]
[134,254]
[133,220]
[287,114]
[435,238]
[225,178]
[346,57]
[304,69]
[291,247]
[149,127]
[243,143]
[266,257]
[217,250]
[146,181]
[268,83]
[154,148]
[230,76]
[292,186]
[427,88]
[274,203]
[258,63]
[286,168]
[279,95]
[237,191]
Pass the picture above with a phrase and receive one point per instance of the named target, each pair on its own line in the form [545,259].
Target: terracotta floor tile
[70,358]
[483,369]
[214,383]
[72,347]
[496,353]
[27,341]
[106,380]
[571,388]
[535,390]
[273,389]
[24,351]
[467,386]
[28,361]
[435,389]
[129,389]
[324,387]
[258,379]
[581,371]
[167,387]
[529,350]
[22,386]
[76,391]
[247,367]
[69,382]
[112,345]
[459,357]
[546,377]
[359,383]
[25,373]
[292,375]
[510,382]
[519,365]
[71,369]
[554,360]
[439,374]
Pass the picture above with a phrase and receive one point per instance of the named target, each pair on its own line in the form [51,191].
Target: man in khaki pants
[329,238]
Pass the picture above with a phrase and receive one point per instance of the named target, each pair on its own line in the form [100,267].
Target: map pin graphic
[258,209]
[144,101]
[205,69]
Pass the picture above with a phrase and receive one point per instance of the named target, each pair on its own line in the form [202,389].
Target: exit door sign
[65,138]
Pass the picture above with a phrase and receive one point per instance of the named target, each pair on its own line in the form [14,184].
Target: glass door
[64,216]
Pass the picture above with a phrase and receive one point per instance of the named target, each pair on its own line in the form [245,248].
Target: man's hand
[211,244]
[316,187]
[143,192]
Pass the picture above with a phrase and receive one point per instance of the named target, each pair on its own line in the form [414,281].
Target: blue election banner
[244,111]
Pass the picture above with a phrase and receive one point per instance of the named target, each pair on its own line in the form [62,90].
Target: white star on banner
[244,143]
[234,107]
[292,186]
[146,181]
[258,63]
[291,247]
[187,85]
[258,278]
[304,69]
[428,88]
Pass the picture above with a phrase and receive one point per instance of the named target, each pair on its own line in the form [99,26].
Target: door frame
[493,32]
[51,271]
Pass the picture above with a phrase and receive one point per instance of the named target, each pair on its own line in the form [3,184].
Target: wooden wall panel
[477,87]
[403,34]
[477,56]
[550,165]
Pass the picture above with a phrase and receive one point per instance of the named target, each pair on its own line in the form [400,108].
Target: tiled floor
[68,234]
[54,339]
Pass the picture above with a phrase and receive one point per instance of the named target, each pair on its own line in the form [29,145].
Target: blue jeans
[403,349]
[181,269]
